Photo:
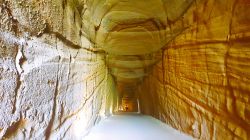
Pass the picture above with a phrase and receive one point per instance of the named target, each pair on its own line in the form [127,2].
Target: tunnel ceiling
[132,33]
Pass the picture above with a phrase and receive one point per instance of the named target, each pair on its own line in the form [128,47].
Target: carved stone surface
[64,62]
[201,86]
[52,85]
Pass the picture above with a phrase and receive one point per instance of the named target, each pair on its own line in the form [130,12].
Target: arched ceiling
[132,32]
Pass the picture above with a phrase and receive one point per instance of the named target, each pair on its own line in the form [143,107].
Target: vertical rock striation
[52,84]
[201,86]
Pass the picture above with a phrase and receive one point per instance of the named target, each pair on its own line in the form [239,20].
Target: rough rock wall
[52,84]
[202,85]
[132,33]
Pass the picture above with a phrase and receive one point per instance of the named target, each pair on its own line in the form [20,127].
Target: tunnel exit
[128,100]
[129,104]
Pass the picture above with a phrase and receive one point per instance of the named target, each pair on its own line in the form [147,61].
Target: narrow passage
[133,126]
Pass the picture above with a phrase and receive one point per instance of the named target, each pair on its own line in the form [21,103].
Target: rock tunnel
[65,65]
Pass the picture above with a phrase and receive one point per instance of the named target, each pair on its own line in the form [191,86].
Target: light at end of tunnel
[120,108]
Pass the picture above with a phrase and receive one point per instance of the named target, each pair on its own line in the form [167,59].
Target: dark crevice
[13,129]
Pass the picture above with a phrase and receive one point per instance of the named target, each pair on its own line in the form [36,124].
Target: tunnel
[125,69]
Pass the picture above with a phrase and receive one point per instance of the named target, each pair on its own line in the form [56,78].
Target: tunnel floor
[133,126]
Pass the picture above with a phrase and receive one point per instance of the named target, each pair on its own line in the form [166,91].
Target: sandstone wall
[202,84]
[52,84]
[54,74]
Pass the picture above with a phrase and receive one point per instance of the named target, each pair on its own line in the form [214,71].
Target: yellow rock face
[132,34]
[202,84]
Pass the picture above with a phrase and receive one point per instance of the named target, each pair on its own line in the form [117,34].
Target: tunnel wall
[201,86]
[52,85]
